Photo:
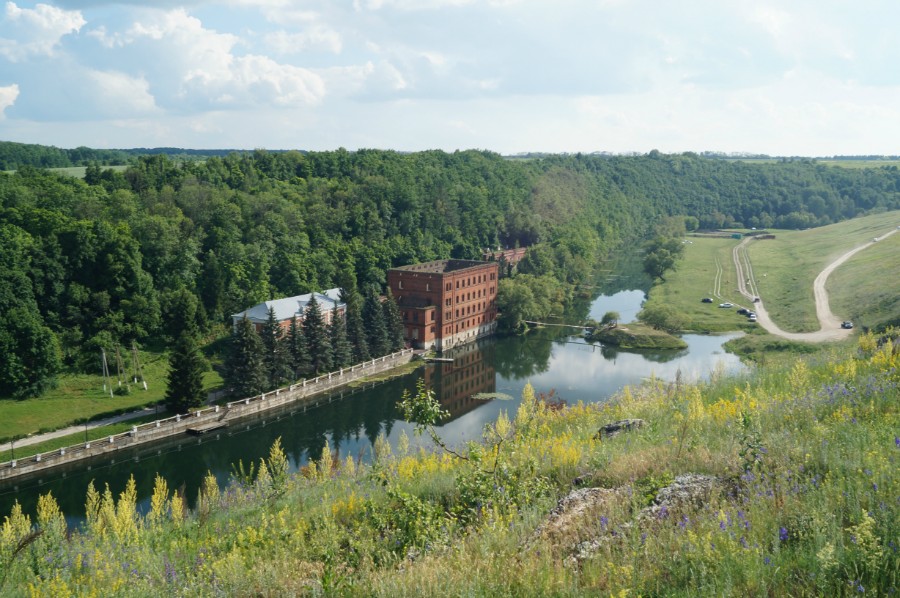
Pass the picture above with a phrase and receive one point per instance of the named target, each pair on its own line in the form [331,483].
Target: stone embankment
[300,394]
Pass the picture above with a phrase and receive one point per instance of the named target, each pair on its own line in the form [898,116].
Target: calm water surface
[551,359]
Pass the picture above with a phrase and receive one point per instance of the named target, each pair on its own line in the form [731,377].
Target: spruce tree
[341,350]
[318,344]
[393,322]
[275,359]
[297,354]
[356,332]
[184,383]
[373,320]
[244,371]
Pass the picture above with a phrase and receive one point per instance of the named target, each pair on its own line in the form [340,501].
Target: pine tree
[184,384]
[341,350]
[275,358]
[393,322]
[317,343]
[373,320]
[356,332]
[244,371]
[297,354]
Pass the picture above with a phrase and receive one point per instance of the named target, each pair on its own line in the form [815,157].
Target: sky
[787,77]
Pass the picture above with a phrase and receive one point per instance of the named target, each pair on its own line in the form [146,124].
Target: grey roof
[288,307]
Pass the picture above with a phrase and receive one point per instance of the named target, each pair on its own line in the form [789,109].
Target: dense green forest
[88,263]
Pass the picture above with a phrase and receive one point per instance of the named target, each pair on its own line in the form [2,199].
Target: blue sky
[793,77]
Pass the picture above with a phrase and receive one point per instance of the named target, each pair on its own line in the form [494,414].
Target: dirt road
[830,324]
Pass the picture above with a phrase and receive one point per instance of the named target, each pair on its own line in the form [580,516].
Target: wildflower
[897,441]
[663,512]
[874,486]
[783,534]
[684,522]
[604,521]
[744,542]
[722,525]
[767,561]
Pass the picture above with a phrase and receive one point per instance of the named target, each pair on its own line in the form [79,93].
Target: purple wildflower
[663,512]
[783,534]
[604,521]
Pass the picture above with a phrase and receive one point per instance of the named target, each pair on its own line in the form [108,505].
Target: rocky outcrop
[572,526]
[624,425]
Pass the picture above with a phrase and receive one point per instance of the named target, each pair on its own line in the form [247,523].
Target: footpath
[80,428]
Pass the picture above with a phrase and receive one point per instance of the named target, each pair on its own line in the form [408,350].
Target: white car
[726,304]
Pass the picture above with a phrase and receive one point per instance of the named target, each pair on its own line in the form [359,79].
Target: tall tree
[341,350]
[244,371]
[393,322]
[373,320]
[318,344]
[184,383]
[275,358]
[356,331]
[297,353]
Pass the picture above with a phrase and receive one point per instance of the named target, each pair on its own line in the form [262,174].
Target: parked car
[847,325]
[744,311]
[726,304]
[706,300]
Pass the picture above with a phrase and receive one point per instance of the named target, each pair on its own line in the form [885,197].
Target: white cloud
[8,97]
[118,94]
[316,37]
[26,32]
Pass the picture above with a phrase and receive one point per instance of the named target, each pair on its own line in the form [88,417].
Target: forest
[114,257]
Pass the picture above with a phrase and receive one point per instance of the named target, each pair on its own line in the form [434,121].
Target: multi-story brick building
[447,302]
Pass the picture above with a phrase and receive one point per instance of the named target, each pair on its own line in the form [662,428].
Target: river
[551,359]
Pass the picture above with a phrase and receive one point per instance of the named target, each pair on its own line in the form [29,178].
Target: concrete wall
[299,394]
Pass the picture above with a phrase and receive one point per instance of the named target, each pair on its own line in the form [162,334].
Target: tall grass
[806,502]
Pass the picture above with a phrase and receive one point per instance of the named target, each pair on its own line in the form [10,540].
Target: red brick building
[510,256]
[456,383]
[447,302]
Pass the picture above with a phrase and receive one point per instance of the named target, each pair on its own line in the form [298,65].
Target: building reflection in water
[456,383]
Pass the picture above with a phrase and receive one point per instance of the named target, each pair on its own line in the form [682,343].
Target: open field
[866,290]
[786,267]
[707,270]
[80,397]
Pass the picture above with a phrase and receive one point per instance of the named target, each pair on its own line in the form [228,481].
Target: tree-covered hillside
[107,259]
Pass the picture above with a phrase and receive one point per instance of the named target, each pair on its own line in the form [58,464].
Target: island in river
[635,336]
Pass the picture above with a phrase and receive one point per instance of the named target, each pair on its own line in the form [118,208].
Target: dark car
[847,325]
[744,311]
[706,300]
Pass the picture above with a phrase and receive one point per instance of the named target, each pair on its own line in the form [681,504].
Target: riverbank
[730,487]
[200,420]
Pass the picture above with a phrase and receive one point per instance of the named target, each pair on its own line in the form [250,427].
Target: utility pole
[105,373]
[136,364]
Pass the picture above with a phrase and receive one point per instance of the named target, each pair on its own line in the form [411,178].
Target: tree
[318,344]
[662,317]
[29,354]
[610,319]
[297,354]
[244,370]
[341,350]
[356,332]
[373,320]
[276,358]
[662,254]
[393,322]
[184,383]
[515,302]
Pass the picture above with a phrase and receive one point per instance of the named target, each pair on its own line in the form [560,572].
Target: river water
[552,359]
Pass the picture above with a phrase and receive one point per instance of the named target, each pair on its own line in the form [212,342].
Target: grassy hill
[785,267]
[782,483]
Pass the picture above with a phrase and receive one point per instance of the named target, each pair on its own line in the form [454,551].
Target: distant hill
[17,155]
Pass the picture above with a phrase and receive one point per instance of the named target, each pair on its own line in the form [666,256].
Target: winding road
[830,324]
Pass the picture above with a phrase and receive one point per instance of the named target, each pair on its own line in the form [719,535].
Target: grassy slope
[80,396]
[786,267]
[809,507]
[694,279]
